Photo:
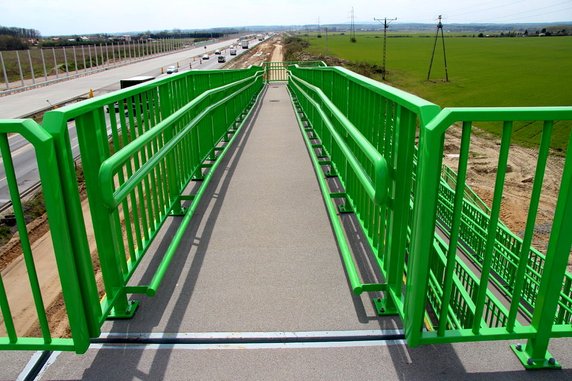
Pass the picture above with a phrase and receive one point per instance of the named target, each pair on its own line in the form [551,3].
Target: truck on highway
[244,44]
[128,82]
[260,37]
[125,83]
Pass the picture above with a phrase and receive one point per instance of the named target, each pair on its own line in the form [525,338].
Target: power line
[385,26]
[536,11]
[480,8]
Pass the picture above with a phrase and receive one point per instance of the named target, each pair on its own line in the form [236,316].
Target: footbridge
[292,206]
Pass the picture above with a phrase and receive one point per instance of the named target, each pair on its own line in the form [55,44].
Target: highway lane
[23,154]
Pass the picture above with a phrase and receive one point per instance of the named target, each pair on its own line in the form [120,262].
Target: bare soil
[263,52]
[481,174]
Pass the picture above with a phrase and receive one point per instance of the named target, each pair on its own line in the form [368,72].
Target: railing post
[423,231]
[172,170]
[56,125]
[94,148]
[536,355]
[400,196]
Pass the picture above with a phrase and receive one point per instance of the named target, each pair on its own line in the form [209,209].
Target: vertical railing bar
[133,196]
[149,193]
[530,221]
[136,166]
[493,224]
[152,148]
[141,203]
[7,314]
[24,239]
[163,197]
[121,177]
[454,236]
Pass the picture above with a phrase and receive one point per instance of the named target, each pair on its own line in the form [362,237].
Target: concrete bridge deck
[258,291]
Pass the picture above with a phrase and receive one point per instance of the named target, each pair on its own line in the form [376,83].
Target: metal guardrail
[366,134]
[534,285]
[164,134]
[45,151]
[448,267]
[278,71]
[453,271]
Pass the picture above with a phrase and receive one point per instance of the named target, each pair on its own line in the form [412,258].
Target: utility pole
[352,27]
[386,23]
[439,27]
[326,41]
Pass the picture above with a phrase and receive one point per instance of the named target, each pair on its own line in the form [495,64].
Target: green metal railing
[436,288]
[445,262]
[364,135]
[278,71]
[140,148]
[10,336]
[449,176]
[466,305]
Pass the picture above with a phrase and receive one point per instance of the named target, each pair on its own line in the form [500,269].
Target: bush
[12,43]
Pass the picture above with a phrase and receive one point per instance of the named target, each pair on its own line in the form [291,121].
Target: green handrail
[110,166]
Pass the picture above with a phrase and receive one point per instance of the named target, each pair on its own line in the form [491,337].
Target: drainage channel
[229,338]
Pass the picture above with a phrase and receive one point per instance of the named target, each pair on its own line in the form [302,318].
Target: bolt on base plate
[383,307]
[548,362]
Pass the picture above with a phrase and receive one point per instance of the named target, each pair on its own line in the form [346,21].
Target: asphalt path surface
[23,154]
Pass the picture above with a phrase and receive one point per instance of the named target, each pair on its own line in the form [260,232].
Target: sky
[68,17]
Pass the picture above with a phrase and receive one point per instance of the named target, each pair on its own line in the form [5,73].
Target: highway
[23,155]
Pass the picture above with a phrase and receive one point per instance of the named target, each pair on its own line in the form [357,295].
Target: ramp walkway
[246,230]
[257,289]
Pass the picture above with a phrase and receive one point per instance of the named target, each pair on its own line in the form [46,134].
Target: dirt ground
[481,174]
[269,50]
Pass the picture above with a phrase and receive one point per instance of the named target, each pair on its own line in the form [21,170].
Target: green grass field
[529,71]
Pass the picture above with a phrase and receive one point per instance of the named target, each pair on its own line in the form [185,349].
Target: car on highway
[221,59]
[233,52]
[206,57]
[217,51]
[172,69]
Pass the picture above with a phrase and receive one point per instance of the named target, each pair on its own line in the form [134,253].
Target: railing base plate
[548,362]
[128,314]
[383,307]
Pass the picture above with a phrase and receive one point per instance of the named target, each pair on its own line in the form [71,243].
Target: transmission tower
[386,23]
[439,28]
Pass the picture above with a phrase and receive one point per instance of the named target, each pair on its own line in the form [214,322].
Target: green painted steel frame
[426,251]
[427,228]
[136,163]
[59,223]
[278,71]
[449,294]
[370,163]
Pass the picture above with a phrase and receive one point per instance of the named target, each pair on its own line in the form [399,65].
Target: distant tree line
[19,32]
[13,38]
[537,33]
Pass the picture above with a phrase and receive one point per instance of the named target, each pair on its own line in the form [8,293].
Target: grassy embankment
[529,71]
